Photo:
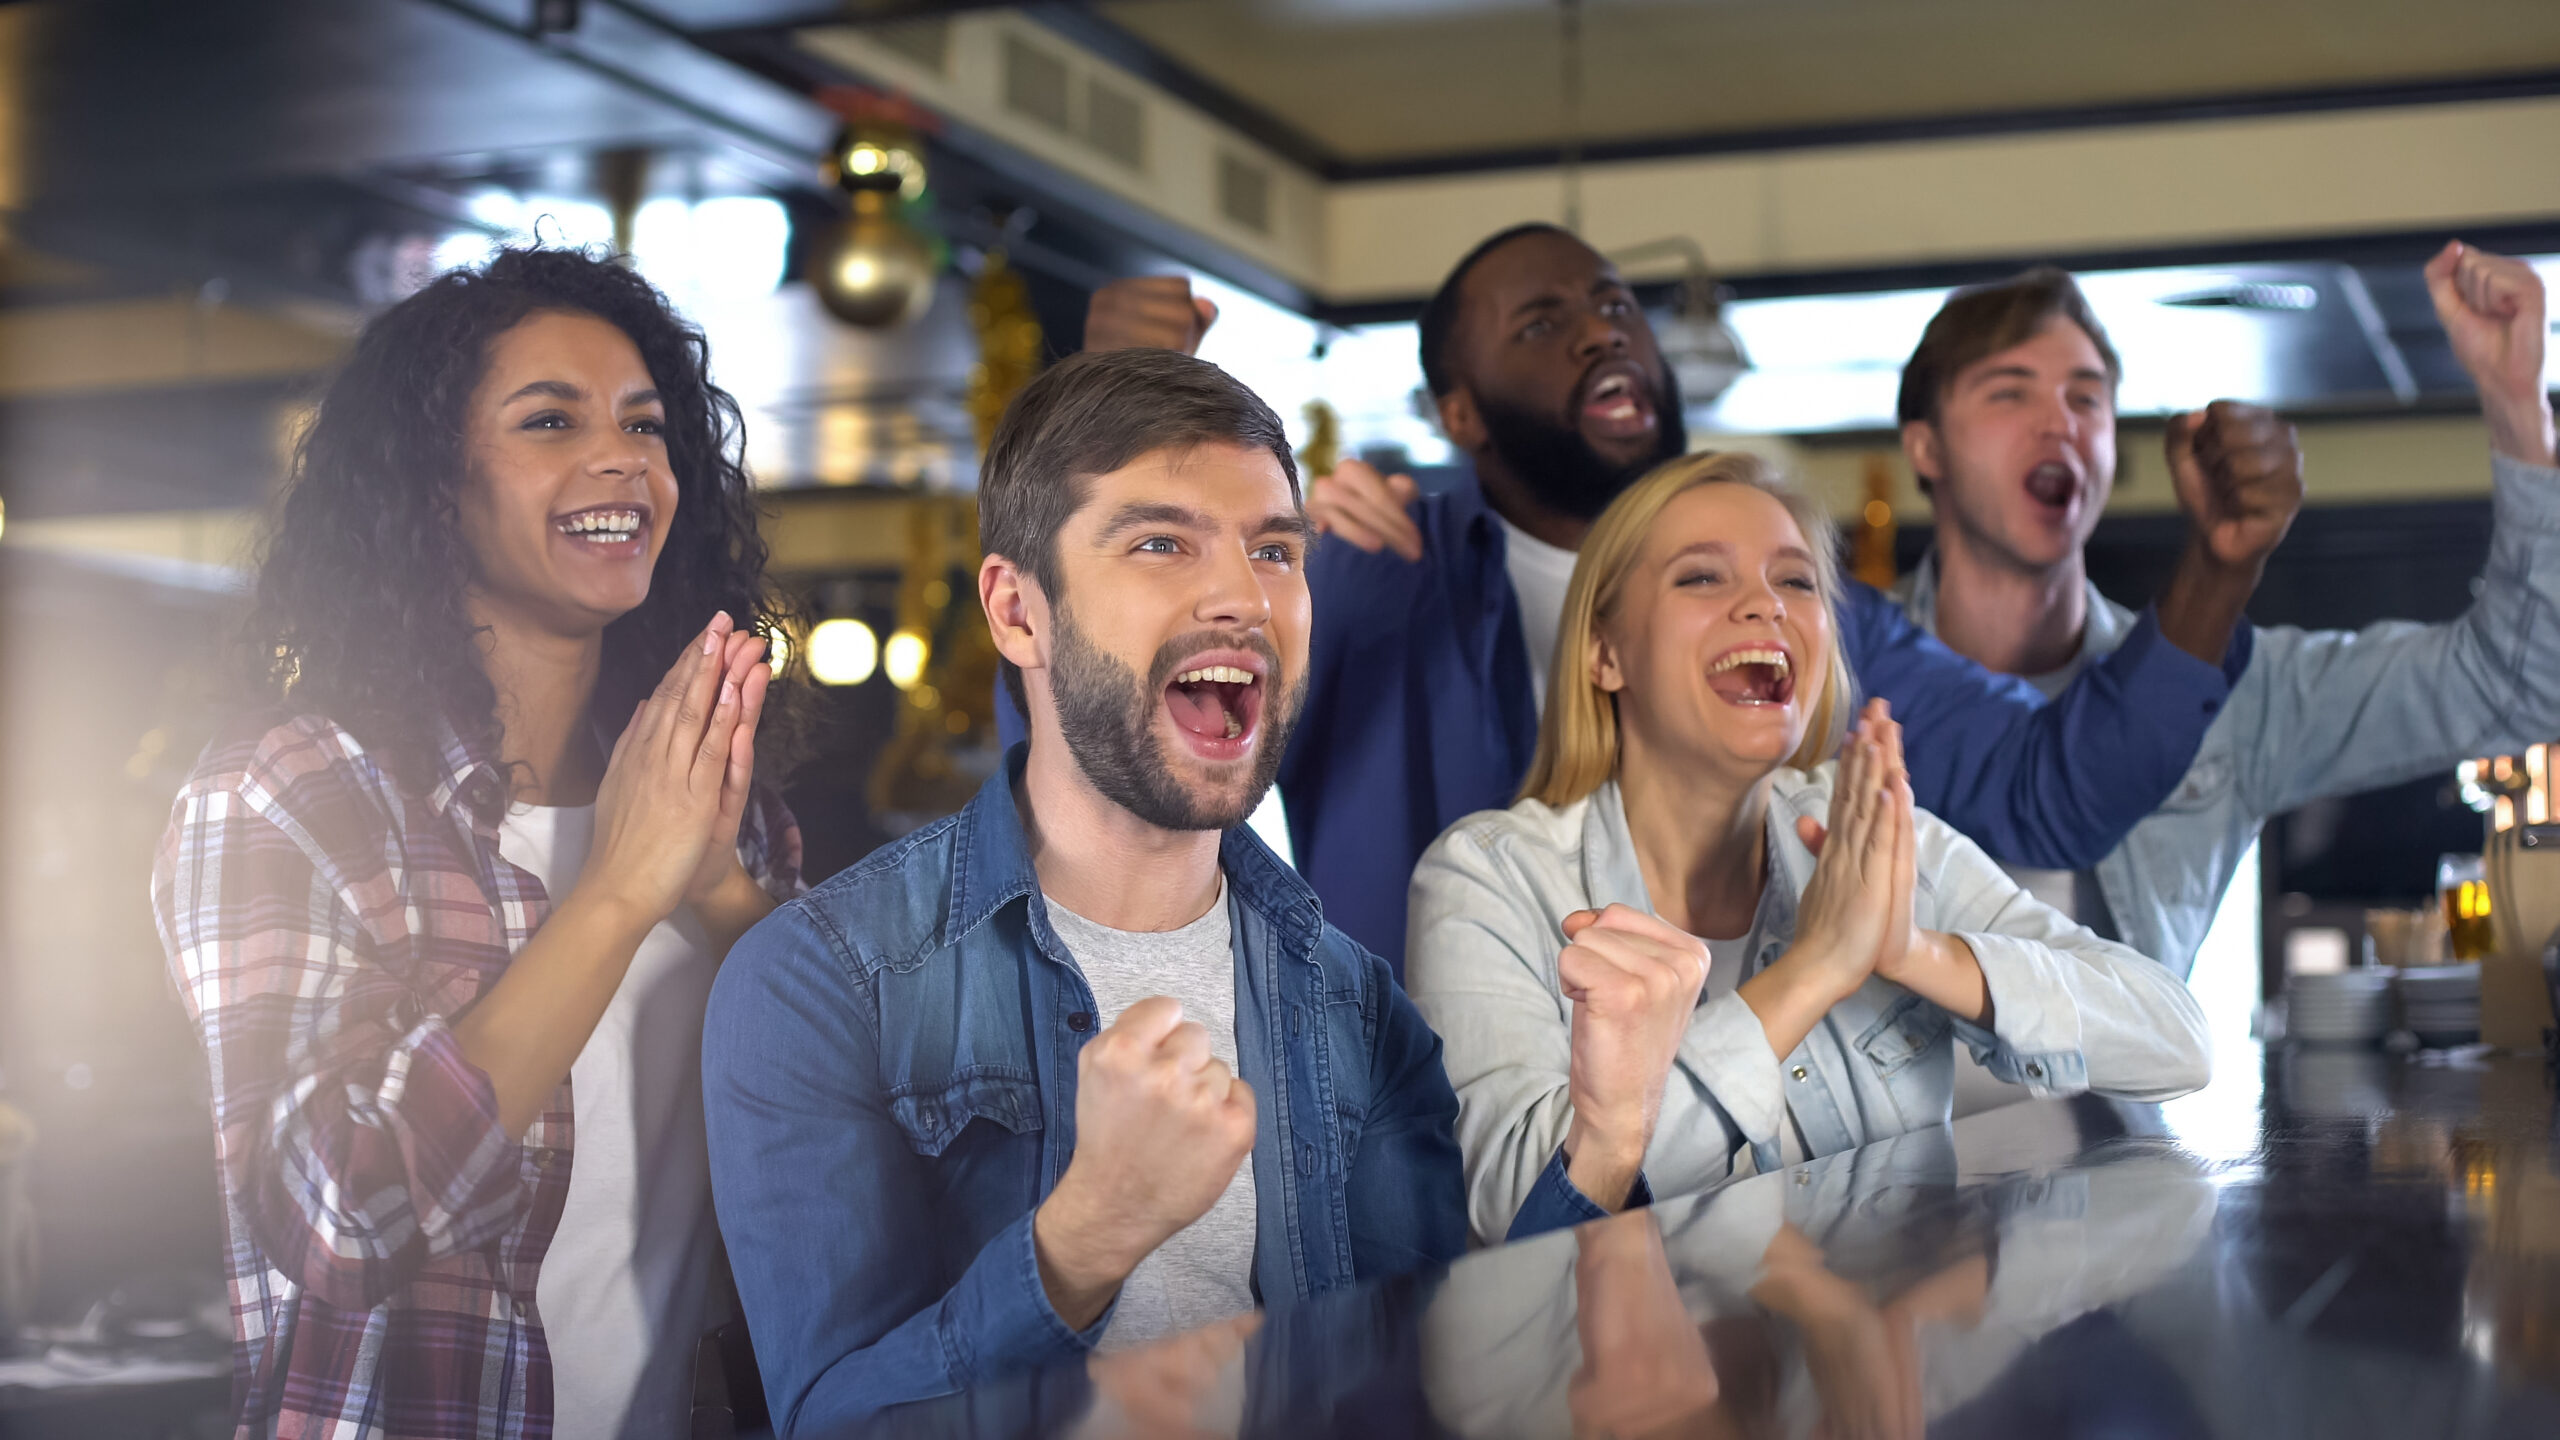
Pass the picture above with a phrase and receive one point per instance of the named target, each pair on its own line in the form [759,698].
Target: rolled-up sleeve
[1726,1055]
[2069,1011]
[357,1140]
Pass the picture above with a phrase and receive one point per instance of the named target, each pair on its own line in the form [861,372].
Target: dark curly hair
[358,612]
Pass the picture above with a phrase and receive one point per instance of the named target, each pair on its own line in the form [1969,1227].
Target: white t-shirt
[625,1292]
[1205,1272]
[1539,574]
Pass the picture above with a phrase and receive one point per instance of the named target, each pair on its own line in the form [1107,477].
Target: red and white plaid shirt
[324,926]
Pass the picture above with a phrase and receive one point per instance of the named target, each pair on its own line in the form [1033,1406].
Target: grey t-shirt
[1205,1273]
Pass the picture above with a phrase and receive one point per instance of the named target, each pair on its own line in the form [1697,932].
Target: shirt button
[2034,1071]
[519,1308]
[1798,1072]
[1080,1022]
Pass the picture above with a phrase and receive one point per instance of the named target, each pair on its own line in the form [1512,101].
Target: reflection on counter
[2384,1259]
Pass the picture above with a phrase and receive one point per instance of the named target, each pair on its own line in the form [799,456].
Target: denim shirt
[2333,712]
[889,1073]
[2070,1012]
[1419,712]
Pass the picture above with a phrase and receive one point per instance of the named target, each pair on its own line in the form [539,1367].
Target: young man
[1082,1065]
[1435,623]
[2008,416]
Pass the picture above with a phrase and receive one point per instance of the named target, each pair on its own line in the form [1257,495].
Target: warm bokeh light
[905,658]
[844,652]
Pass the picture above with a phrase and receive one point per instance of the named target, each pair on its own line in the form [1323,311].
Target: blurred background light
[904,658]
[843,652]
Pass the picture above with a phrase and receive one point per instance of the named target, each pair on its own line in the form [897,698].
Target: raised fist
[1148,312]
[2238,473]
[2491,307]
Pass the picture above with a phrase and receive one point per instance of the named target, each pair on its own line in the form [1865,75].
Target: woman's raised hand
[742,666]
[1855,917]
[675,787]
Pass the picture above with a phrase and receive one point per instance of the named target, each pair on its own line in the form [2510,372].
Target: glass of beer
[2464,887]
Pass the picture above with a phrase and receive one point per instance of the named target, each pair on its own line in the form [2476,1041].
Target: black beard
[1106,715]
[1559,467]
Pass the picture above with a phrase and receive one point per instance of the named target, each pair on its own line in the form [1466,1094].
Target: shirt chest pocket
[934,1116]
[1910,1028]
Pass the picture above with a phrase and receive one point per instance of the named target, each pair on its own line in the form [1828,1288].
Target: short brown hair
[1980,321]
[1578,739]
[1088,415]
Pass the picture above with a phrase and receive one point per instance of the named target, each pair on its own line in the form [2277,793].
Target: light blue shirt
[2070,1012]
[2320,713]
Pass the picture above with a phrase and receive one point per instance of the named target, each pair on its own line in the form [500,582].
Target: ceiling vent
[1115,124]
[926,41]
[1039,85]
[1035,83]
[1244,192]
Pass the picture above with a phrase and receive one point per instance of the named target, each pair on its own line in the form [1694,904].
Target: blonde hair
[1578,737]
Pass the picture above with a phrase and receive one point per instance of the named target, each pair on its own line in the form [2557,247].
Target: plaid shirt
[324,927]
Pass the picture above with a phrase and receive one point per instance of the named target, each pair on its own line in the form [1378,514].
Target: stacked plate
[2349,1007]
[2441,1003]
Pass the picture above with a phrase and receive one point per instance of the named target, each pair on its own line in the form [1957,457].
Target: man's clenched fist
[1161,1125]
[1634,982]
[2492,308]
[2238,473]
[1148,312]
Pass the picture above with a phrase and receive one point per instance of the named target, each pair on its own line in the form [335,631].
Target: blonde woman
[1599,1046]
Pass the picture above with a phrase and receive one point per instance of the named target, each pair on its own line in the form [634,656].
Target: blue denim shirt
[889,1078]
[1419,712]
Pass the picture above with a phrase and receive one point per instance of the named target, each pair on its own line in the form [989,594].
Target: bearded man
[1082,1066]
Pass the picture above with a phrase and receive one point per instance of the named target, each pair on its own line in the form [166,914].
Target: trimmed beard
[1106,715]
[1563,473]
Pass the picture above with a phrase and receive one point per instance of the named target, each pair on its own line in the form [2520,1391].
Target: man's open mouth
[1616,404]
[1218,708]
[2053,484]
[1754,675]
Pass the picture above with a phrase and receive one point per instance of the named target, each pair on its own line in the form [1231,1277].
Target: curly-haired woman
[457,886]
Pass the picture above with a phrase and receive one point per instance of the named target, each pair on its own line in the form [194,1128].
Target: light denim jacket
[889,1080]
[2332,712]
[2070,1012]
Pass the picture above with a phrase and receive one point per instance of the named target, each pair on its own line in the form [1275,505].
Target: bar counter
[2327,1243]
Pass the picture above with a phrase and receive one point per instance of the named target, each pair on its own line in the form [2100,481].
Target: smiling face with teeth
[1719,645]
[570,492]
[2022,455]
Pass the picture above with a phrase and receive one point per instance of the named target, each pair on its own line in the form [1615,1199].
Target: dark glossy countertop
[2336,1244]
